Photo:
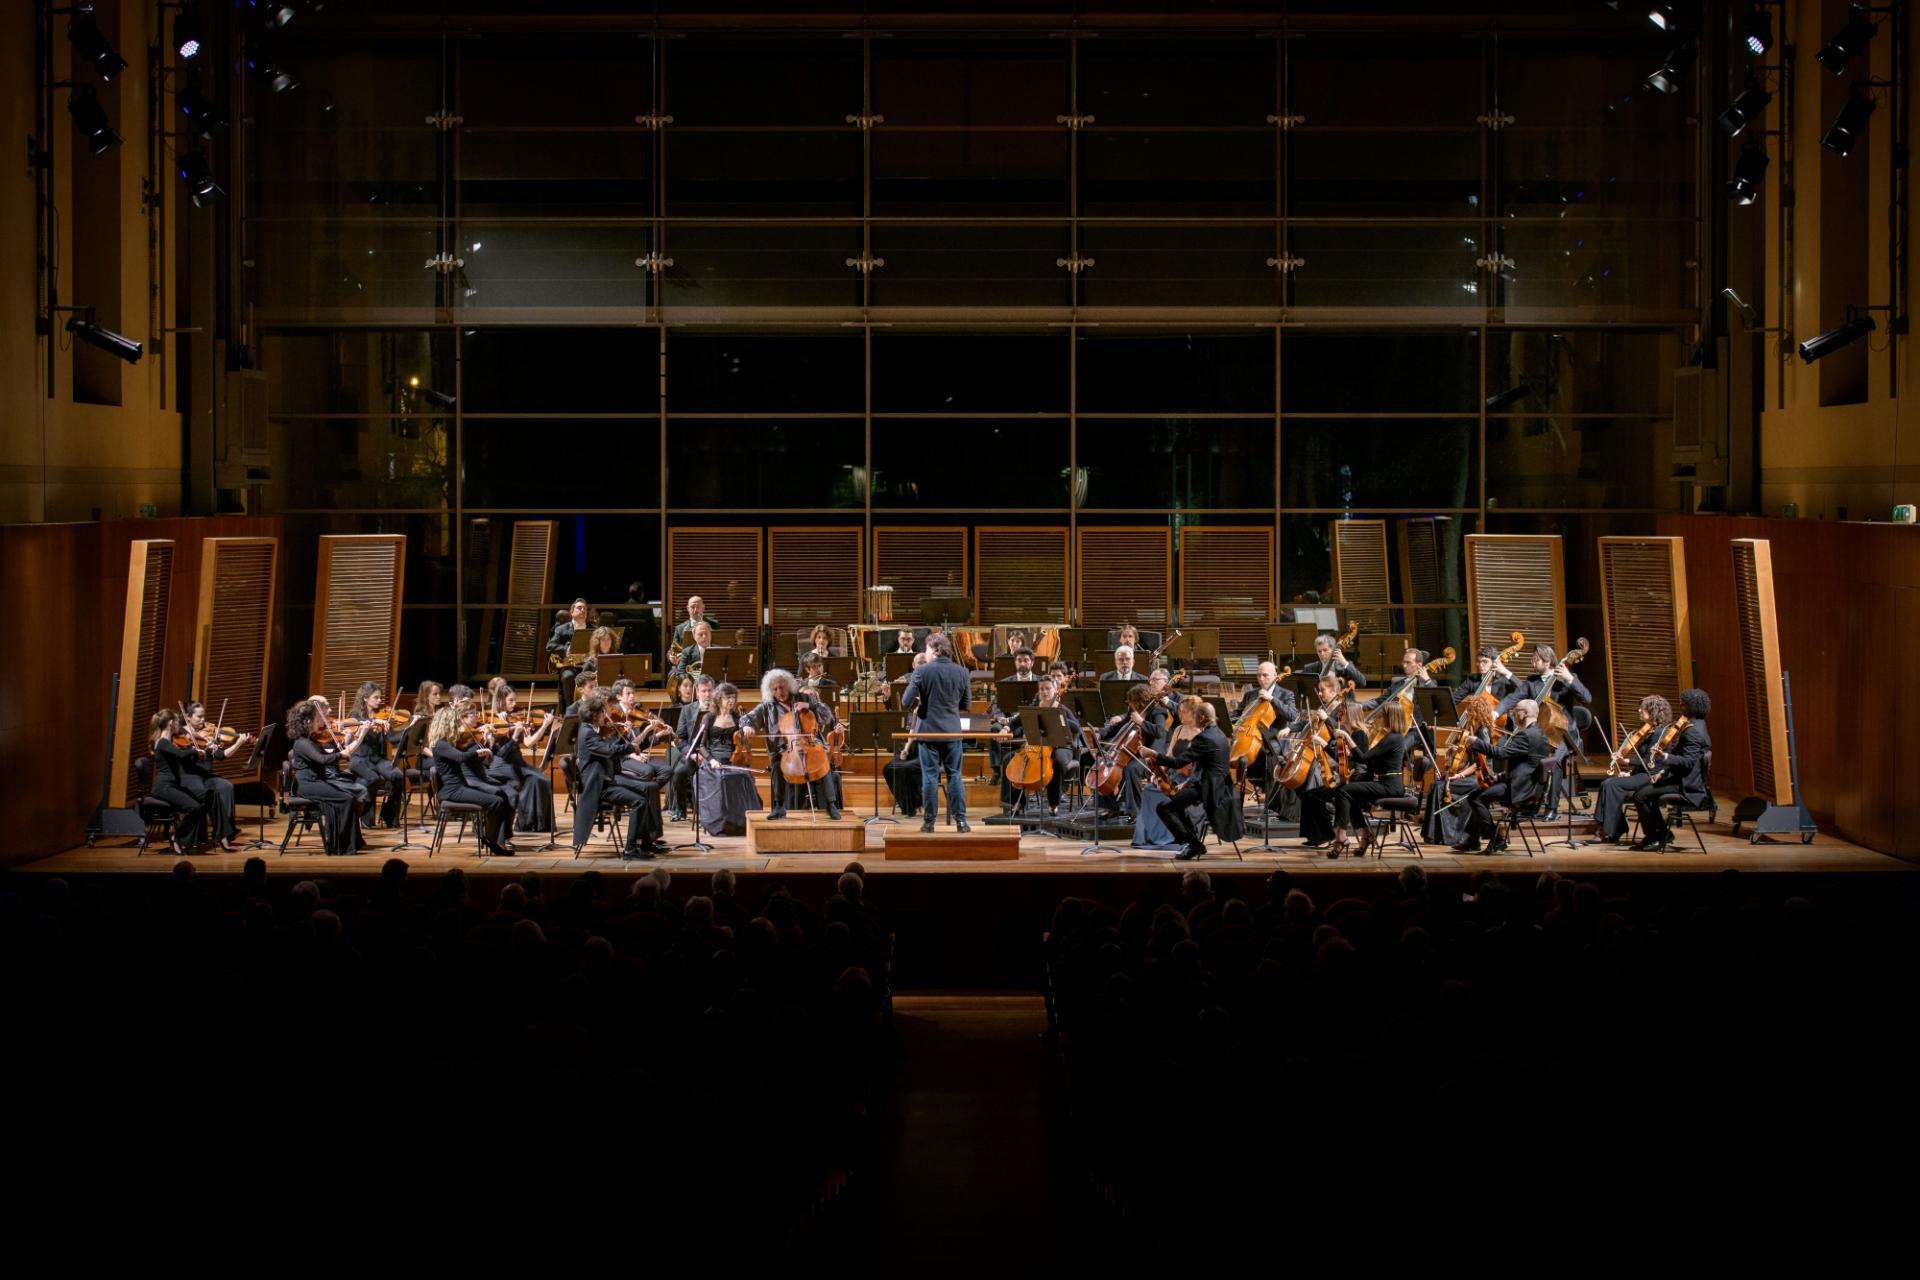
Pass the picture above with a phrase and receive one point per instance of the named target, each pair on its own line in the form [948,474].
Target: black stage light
[116,345]
[93,47]
[440,398]
[1664,17]
[1759,31]
[186,35]
[1832,340]
[1849,124]
[274,77]
[200,112]
[90,118]
[1746,107]
[1512,395]
[1748,172]
[197,172]
[1849,40]
[274,14]
[1666,78]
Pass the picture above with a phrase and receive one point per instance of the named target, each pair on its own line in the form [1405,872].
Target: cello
[803,758]
[1253,726]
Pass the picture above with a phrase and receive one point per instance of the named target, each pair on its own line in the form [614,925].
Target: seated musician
[902,772]
[1128,635]
[1680,770]
[814,679]
[598,753]
[998,753]
[686,728]
[200,779]
[696,614]
[561,641]
[317,776]
[1063,757]
[586,686]
[1457,772]
[1123,670]
[1316,793]
[700,639]
[1126,804]
[820,642]
[903,641]
[371,762]
[599,645]
[646,733]
[1376,774]
[1413,675]
[169,763]
[1524,750]
[1017,645]
[1330,659]
[1273,739]
[1573,696]
[513,769]
[1164,714]
[1630,772]
[1490,672]
[781,698]
[1209,792]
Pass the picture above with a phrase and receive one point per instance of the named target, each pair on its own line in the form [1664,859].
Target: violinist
[694,654]
[1331,660]
[644,732]
[1123,671]
[1376,773]
[1567,690]
[561,642]
[1628,771]
[781,701]
[813,677]
[345,742]
[460,760]
[942,692]
[173,755]
[585,687]
[598,754]
[1524,750]
[214,792]
[528,789]
[1209,793]
[369,761]
[316,776]
[1677,768]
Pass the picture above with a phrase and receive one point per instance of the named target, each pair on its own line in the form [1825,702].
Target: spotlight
[200,112]
[197,172]
[1759,31]
[274,14]
[1747,106]
[93,47]
[119,346]
[1666,78]
[1856,328]
[1849,40]
[1664,17]
[1512,395]
[186,35]
[274,77]
[90,118]
[439,398]
[1748,172]
[1740,304]
[1848,125]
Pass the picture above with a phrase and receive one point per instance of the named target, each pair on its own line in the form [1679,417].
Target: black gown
[171,766]
[317,777]
[369,763]
[215,793]
[528,790]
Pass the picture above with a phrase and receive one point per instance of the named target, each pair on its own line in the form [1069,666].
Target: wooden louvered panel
[358,586]
[722,567]
[1124,575]
[1020,574]
[1226,581]
[1760,668]
[1643,593]
[1360,573]
[238,578]
[1421,580]
[143,659]
[915,561]
[813,576]
[529,597]
[1516,582]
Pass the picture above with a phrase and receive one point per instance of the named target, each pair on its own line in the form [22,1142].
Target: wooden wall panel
[1226,581]
[1020,573]
[1124,574]
[234,626]
[1423,579]
[358,585]
[1360,573]
[914,560]
[1763,696]
[1643,598]
[1516,582]
[722,567]
[529,598]
[143,658]
[813,576]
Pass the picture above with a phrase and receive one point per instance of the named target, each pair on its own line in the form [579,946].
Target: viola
[1667,739]
[803,759]
[1629,749]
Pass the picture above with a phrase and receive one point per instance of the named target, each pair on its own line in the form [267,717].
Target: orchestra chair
[156,814]
[302,815]
[1393,820]
[1509,821]
[445,809]
[606,817]
[1678,810]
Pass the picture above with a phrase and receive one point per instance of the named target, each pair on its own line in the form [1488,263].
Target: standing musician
[529,790]
[1316,796]
[317,777]
[214,792]
[1487,667]
[1331,659]
[693,654]
[1525,750]
[1210,792]
[780,696]
[460,759]
[696,614]
[370,762]
[1629,771]
[1122,666]
[1567,690]
[598,754]
[561,641]
[1679,770]
[170,762]
[1376,770]
[942,691]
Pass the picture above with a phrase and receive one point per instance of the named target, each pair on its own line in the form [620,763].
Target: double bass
[1484,694]
[1553,716]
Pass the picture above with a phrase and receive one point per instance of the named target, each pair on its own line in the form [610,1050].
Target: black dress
[1381,764]
[214,792]
[171,766]
[528,790]
[316,777]
[724,795]
[459,773]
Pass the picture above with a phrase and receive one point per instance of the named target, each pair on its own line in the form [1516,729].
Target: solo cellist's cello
[804,759]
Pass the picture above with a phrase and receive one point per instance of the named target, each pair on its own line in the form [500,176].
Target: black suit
[1338,665]
[557,644]
[1681,771]
[1210,791]
[598,758]
[1525,752]
[459,773]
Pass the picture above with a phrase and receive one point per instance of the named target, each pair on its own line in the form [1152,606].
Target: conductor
[942,691]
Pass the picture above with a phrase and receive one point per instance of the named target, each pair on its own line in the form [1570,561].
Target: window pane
[1544,461]
[570,266]
[1306,564]
[970,82]
[1583,370]
[719,174]
[791,266]
[922,464]
[1383,172]
[1178,82]
[594,556]
[1337,81]
[529,78]
[1136,172]
[1380,372]
[353,269]
[531,462]
[1173,266]
[725,81]
[525,172]
[1388,266]
[359,462]
[428,559]
[1172,463]
[1369,463]
[766,464]
[1572,267]
[765,373]
[949,266]
[1190,372]
[357,371]
[561,371]
[969,373]
[969,172]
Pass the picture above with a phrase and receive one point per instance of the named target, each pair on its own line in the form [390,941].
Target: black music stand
[946,610]
[898,664]
[254,758]
[1085,705]
[871,732]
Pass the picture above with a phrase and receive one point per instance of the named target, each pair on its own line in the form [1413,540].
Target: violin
[1342,748]
[392,718]
[1667,739]
[1629,749]
[804,758]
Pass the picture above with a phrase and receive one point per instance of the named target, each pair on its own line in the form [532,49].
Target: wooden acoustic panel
[143,659]
[1643,598]
[813,576]
[1423,579]
[1124,574]
[916,560]
[1226,581]
[1516,582]
[234,627]
[722,567]
[1760,669]
[529,597]
[1020,573]
[1360,573]
[358,585]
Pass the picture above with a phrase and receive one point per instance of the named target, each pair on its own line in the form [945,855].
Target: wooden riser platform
[806,833]
[991,844]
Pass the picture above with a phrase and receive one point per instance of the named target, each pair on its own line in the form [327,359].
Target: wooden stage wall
[1848,597]
[65,587]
